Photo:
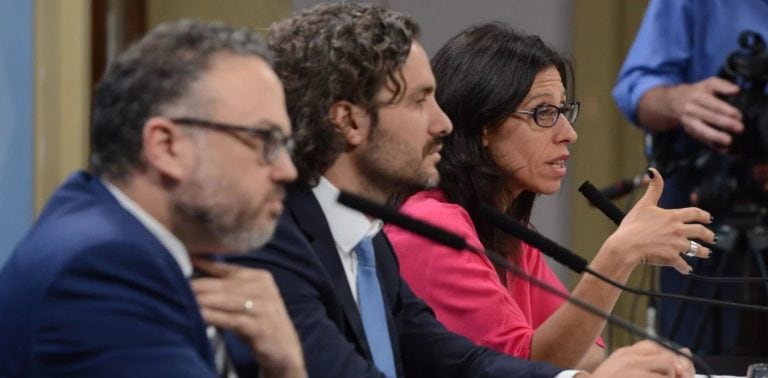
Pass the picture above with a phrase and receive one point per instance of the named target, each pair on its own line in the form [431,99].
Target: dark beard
[384,171]
[386,180]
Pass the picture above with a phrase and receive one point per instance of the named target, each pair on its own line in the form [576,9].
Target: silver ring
[694,247]
[248,306]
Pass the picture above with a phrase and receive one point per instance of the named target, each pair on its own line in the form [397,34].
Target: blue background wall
[16,122]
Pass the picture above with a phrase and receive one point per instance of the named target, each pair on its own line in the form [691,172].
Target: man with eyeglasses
[189,158]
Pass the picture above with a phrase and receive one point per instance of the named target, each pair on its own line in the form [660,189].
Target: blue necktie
[372,309]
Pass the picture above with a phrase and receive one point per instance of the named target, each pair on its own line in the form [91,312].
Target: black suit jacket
[306,266]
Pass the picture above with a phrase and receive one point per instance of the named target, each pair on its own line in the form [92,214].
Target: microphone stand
[579,265]
[612,319]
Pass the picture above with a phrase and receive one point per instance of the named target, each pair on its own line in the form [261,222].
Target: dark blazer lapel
[190,303]
[309,217]
[83,184]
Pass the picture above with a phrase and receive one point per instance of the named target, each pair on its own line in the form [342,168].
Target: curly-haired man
[360,94]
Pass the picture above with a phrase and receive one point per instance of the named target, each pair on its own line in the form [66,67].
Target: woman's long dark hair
[483,74]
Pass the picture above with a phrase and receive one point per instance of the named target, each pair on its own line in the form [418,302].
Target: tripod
[743,237]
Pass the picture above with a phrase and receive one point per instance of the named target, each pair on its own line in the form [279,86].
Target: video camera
[748,67]
[738,178]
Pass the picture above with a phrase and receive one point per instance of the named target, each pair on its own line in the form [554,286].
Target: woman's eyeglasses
[546,115]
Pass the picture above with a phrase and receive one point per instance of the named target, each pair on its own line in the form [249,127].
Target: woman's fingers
[692,215]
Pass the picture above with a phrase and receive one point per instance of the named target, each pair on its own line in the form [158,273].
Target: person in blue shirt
[668,83]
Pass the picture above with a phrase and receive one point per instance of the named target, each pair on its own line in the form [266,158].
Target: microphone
[512,227]
[517,229]
[602,202]
[441,236]
[597,199]
[621,188]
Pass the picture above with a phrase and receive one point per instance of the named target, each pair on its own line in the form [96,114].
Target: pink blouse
[463,288]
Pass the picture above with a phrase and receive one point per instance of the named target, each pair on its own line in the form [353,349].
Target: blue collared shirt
[683,41]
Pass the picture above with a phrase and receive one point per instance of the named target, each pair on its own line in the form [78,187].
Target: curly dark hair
[483,74]
[152,74]
[334,52]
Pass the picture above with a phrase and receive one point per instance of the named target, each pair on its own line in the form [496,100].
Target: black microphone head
[511,226]
[601,202]
[392,216]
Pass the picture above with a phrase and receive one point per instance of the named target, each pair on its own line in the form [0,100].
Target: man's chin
[255,238]
[432,183]
[264,234]
[427,180]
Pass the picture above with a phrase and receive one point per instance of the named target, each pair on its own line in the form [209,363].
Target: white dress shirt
[348,228]
[180,254]
[166,238]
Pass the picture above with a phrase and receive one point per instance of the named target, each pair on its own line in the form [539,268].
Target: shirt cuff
[568,373]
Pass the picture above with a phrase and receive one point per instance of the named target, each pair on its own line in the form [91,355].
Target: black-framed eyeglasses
[273,139]
[546,115]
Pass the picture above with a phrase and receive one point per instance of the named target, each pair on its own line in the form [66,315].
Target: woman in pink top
[507,95]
